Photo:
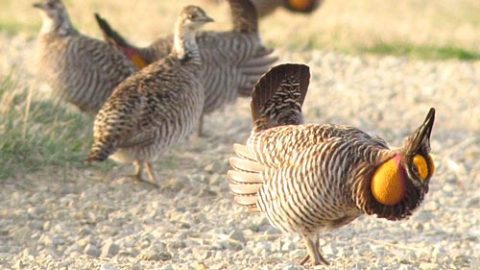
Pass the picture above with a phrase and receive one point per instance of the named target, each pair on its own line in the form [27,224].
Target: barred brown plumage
[156,107]
[79,69]
[232,61]
[309,177]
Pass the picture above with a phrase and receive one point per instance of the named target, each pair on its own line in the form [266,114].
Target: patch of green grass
[14,27]
[427,52]
[423,52]
[35,133]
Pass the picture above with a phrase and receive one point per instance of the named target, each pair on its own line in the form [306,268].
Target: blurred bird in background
[232,60]
[80,70]
[265,7]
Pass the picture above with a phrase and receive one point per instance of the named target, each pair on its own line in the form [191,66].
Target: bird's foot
[139,178]
[306,260]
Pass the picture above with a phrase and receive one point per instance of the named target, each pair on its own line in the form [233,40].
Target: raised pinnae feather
[278,96]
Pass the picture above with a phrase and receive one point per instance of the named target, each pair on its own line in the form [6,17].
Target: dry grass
[354,26]
[36,132]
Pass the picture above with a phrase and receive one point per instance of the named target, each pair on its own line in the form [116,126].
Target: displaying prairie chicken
[310,177]
[265,7]
[79,69]
[232,61]
[156,107]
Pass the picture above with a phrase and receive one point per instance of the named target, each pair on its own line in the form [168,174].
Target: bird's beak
[38,5]
[207,19]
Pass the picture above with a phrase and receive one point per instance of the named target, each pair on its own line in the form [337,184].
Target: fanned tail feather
[245,177]
[278,96]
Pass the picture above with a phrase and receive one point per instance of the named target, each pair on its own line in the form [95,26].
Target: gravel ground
[85,219]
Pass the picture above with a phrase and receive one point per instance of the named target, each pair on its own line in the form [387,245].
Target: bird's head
[55,16]
[398,184]
[194,17]
[53,9]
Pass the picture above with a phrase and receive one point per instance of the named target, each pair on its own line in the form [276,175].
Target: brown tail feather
[113,38]
[109,34]
[100,151]
[278,96]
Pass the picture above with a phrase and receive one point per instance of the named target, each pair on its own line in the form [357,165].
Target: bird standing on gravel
[233,61]
[157,106]
[79,69]
[265,7]
[309,177]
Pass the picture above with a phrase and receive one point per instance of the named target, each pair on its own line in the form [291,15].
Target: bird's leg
[200,127]
[139,165]
[305,260]
[313,252]
[138,170]
[322,259]
[152,179]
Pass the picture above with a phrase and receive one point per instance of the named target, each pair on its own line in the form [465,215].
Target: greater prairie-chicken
[79,69]
[156,107]
[309,177]
[265,7]
[232,61]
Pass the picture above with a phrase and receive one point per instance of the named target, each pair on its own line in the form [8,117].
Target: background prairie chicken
[265,7]
[79,69]
[156,107]
[309,177]
[233,61]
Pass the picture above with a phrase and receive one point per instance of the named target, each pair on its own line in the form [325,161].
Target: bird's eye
[420,166]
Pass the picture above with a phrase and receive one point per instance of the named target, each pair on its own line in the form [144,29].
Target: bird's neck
[60,25]
[243,16]
[185,45]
